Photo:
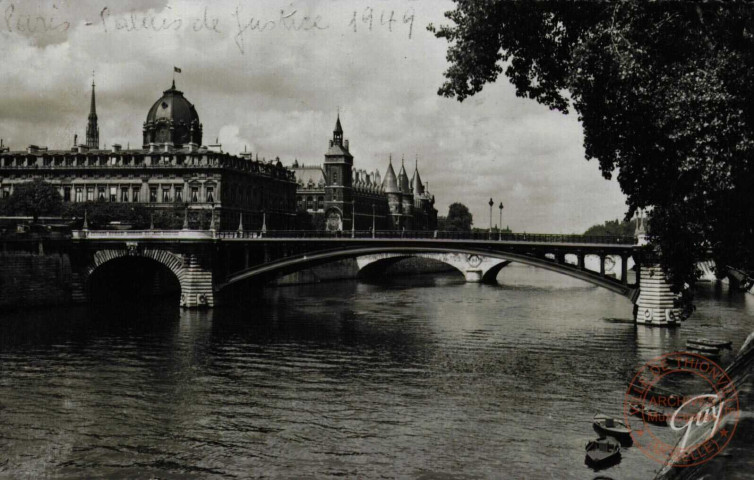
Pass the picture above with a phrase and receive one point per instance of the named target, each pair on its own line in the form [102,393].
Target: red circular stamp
[682,409]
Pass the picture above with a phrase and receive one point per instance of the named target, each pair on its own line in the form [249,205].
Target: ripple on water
[424,378]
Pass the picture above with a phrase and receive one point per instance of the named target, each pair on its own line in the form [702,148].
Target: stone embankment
[34,279]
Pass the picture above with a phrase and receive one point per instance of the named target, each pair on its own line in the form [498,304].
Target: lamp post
[373,220]
[353,218]
[491,203]
[500,228]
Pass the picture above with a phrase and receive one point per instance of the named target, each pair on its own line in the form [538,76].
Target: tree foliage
[663,91]
[613,228]
[34,198]
[100,214]
[459,218]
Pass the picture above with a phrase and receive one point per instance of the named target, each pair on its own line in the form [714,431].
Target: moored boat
[702,348]
[711,354]
[602,452]
[613,427]
[706,342]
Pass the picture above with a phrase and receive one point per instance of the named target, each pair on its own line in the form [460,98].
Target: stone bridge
[208,267]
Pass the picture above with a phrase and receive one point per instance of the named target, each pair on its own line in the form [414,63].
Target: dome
[173,120]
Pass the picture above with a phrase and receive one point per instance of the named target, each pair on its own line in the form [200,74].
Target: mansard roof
[309,176]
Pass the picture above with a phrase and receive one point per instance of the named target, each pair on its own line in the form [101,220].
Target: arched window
[309,204]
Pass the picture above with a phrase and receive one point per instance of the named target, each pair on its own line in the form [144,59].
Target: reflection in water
[414,377]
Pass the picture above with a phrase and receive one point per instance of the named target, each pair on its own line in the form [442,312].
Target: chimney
[116,147]
[32,149]
[345,144]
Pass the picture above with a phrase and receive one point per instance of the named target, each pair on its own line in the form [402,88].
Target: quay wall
[33,279]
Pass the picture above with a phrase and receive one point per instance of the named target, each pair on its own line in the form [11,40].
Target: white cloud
[281,94]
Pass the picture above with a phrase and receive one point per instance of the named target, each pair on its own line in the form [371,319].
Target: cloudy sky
[270,75]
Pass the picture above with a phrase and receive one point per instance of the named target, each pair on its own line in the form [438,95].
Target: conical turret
[390,183]
[416,181]
[403,183]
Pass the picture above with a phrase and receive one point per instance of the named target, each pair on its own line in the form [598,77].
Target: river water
[423,377]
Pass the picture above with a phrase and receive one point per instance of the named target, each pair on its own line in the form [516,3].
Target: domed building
[173,121]
[172,172]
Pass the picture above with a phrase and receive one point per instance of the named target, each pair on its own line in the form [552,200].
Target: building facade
[350,198]
[171,171]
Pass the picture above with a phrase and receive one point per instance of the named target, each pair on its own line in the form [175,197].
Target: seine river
[426,377]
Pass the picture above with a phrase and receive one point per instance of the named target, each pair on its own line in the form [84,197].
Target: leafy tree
[34,198]
[309,221]
[613,228]
[663,91]
[100,214]
[459,218]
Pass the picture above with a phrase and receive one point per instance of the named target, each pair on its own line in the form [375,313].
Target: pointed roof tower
[390,183]
[338,145]
[92,129]
[416,181]
[403,182]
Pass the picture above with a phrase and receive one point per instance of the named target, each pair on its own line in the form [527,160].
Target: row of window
[101,161]
[131,194]
[310,202]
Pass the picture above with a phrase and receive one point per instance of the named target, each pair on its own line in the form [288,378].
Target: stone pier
[656,302]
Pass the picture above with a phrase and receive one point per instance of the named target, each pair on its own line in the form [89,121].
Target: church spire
[92,130]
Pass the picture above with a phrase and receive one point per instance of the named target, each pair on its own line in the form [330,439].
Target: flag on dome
[176,69]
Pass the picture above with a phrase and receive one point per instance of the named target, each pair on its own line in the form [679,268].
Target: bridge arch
[475,268]
[149,270]
[291,264]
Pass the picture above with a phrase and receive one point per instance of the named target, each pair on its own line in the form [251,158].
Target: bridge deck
[415,238]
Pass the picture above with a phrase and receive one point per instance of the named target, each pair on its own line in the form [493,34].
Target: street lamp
[500,228]
[491,204]
[373,221]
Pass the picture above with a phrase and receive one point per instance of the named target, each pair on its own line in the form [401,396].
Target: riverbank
[736,460]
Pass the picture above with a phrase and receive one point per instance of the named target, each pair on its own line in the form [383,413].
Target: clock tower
[338,182]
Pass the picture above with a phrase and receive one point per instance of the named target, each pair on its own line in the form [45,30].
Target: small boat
[602,452]
[706,342]
[613,427]
[648,413]
[702,348]
[709,354]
